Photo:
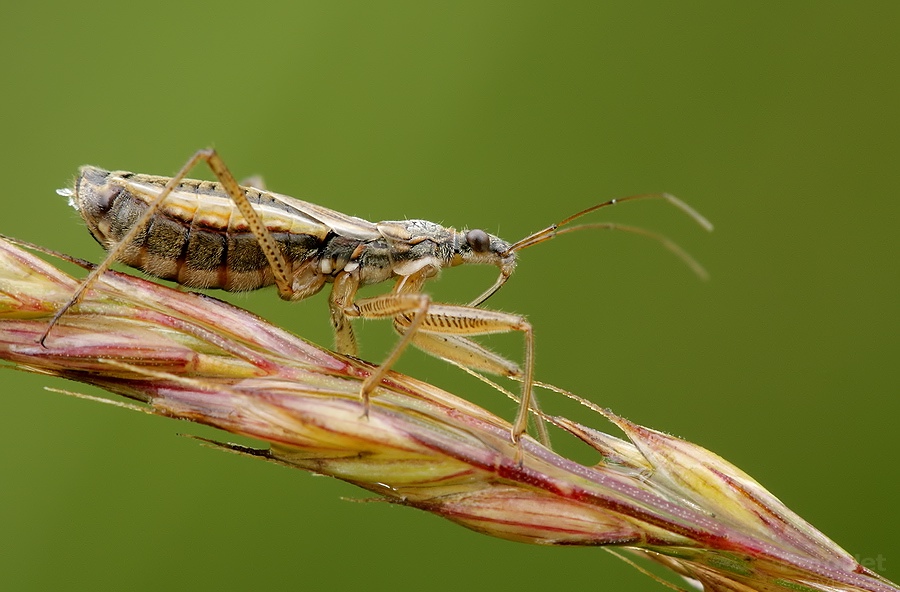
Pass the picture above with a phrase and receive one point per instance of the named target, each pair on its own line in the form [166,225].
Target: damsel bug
[221,235]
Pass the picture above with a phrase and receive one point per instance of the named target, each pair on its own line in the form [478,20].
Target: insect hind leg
[269,246]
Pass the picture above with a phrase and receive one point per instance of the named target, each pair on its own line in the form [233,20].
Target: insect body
[199,239]
[221,235]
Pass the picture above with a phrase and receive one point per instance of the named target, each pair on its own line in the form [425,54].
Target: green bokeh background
[779,121]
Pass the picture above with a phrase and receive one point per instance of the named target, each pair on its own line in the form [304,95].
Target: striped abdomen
[197,238]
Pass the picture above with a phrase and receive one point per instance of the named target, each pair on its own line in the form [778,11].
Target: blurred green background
[779,121]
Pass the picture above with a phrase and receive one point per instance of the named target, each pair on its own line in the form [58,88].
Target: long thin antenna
[551,231]
[662,239]
[556,229]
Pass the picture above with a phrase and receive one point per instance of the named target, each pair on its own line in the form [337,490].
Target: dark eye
[478,240]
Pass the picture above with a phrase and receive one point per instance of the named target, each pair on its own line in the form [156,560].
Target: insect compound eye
[478,240]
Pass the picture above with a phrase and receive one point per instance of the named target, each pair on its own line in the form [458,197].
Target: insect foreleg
[475,356]
[439,330]
[463,351]
[411,305]
[441,333]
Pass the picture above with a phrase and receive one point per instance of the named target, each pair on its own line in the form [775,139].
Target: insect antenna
[557,229]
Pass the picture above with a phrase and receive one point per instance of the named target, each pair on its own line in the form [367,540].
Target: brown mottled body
[203,246]
[198,237]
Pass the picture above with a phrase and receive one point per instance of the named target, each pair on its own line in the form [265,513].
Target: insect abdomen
[193,241]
